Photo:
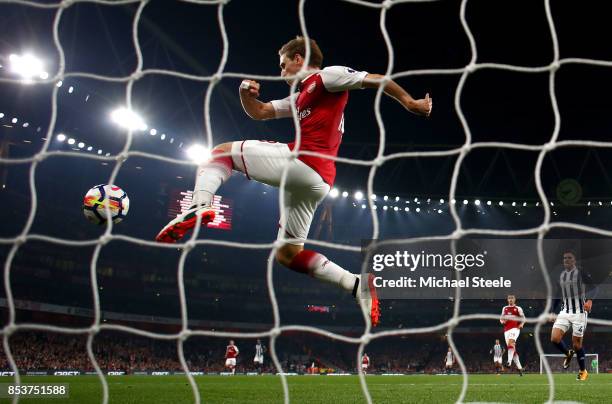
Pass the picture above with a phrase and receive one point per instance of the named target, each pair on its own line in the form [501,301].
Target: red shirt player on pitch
[319,102]
[365,363]
[512,330]
[231,353]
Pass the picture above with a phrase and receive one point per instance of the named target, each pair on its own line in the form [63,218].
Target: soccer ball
[101,195]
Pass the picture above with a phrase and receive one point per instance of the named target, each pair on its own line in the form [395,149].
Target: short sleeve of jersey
[340,78]
[521,313]
[282,108]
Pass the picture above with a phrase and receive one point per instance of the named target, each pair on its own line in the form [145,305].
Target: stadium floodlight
[153,132]
[386,197]
[344,194]
[439,210]
[385,207]
[416,199]
[27,66]
[99,151]
[81,145]
[89,148]
[465,201]
[454,201]
[513,203]
[59,83]
[14,120]
[589,203]
[407,209]
[71,141]
[1,114]
[373,197]
[524,203]
[489,203]
[441,200]
[61,137]
[397,198]
[198,153]
[418,210]
[600,203]
[128,119]
[501,203]
[477,202]
[552,203]
[334,193]
[395,208]
[358,195]
[163,136]
[363,206]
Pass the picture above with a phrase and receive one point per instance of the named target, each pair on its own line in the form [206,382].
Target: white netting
[367,336]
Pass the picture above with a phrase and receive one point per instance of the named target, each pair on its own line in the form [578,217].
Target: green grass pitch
[508,388]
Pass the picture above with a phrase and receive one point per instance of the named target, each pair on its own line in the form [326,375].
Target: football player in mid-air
[320,101]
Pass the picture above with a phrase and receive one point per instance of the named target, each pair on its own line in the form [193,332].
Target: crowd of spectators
[299,353]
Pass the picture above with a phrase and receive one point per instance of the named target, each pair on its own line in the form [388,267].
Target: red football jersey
[231,351]
[512,311]
[320,105]
[365,360]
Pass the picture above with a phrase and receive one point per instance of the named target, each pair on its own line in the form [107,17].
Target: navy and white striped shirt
[572,291]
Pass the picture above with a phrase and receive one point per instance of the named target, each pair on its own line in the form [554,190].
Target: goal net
[548,363]
[555,361]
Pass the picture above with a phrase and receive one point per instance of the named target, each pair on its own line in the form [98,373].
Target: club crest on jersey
[311,88]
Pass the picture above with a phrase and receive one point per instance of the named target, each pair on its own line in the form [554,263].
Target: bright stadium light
[27,66]
[363,206]
[418,210]
[439,210]
[1,114]
[477,202]
[501,203]
[513,203]
[397,198]
[396,208]
[385,207]
[128,119]
[524,203]
[465,201]
[71,141]
[153,132]
[407,209]
[488,203]
[386,197]
[344,194]
[81,145]
[358,195]
[334,193]
[89,148]
[61,137]
[198,153]
[441,200]
[373,197]
[14,120]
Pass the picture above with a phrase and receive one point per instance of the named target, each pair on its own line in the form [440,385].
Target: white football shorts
[258,359]
[577,321]
[512,333]
[264,161]
[497,359]
[364,365]
[230,362]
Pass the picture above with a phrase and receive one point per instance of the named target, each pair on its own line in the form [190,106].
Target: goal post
[555,361]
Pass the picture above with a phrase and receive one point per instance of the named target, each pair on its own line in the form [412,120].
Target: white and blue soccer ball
[100,196]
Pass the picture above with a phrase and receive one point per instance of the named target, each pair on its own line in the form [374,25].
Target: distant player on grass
[512,330]
[498,353]
[231,353]
[365,363]
[449,361]
[258,360]
[320,102]
[575,304]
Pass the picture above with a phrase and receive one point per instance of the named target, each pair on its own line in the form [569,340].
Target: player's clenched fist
[250,87]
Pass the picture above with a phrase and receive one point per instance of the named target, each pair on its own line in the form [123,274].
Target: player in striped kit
[320,102]
[575,303]
[449,361]
[498,353]
[512,330]
[231,353]
[258,360]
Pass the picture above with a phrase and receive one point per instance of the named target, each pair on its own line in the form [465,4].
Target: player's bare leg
[556,337]
[511,347]
[295,257]
[577,344]
[517,362]
[210,177]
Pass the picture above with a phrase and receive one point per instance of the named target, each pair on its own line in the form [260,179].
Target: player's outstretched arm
[249,92]
[421,107]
